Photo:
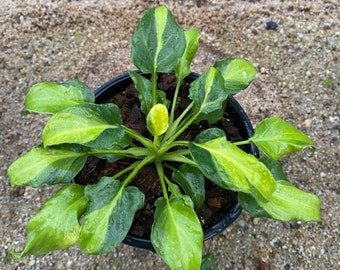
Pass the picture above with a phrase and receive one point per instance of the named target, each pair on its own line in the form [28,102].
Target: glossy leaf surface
[93,125]
[192,181]
[110,214]
[228,166]
[158,120]
[56,225]
[158,42]
[276,138]
[143,87]
[46,166]
[209,96]
[183,67]
[238,73]
[50,97]
[176,234]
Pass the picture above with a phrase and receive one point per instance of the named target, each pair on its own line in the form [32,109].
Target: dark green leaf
[143,86]
[158,42]
[209,96]
[238,73]
[208,262]
[275,168]
[177,235]
[92,125]
[228,166]
[276,138]
[192,181]
[50,97]
[110,214]
[56,225]
[46,166]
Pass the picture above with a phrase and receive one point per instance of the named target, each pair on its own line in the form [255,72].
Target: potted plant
[98,216]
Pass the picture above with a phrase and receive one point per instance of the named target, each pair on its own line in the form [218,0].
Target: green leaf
[238,73]
[50,97]
[290,203]
[46,166]
[92,125]
[286,203]
[110,214]
[276,138]
[158,42]
[177,235]
[228,166]
[183,66]
[158,120]
[209,96]
[143,87]
[56,225]
[192,181]
[208,262]
[248,202]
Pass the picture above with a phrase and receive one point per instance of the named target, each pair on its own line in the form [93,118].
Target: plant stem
[137,166]
[160,172]
[134,134]
[154,87]
[243,142]
[174,101]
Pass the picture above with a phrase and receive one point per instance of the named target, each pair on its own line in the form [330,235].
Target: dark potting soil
[218,201]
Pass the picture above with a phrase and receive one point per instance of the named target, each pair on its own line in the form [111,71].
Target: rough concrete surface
[298,79]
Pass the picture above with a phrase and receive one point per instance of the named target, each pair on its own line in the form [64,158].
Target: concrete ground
[298,79]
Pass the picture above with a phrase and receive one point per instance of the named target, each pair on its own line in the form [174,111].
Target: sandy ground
[298,79]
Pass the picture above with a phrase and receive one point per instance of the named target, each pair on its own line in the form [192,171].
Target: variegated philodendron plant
[98,216]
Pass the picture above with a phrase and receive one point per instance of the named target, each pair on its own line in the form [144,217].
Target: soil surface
[298,80]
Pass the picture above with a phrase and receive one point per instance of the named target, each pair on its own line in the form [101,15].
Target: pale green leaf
[158,42]
[209,96]
[50,97]
[92,125]
[290,203]
[110,214]
[177,235]
[46,166]
[238,73]
[276,138]
[158,120]
[56,225]
[183,66]
[228,166]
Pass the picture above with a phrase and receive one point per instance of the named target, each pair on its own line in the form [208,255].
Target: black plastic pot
[118,84]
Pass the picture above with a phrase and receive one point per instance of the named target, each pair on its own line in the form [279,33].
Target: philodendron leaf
[158,42]
[158,120]
[46,166]
[92,125]
[286,203]
[276,138]
[248,202]
[192,181]
[290,203]
[228,166]
[50,97]
[183,66]
[56,225]
[143,86]
[238,73]
[209,96]
[177,235]
[110,214]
